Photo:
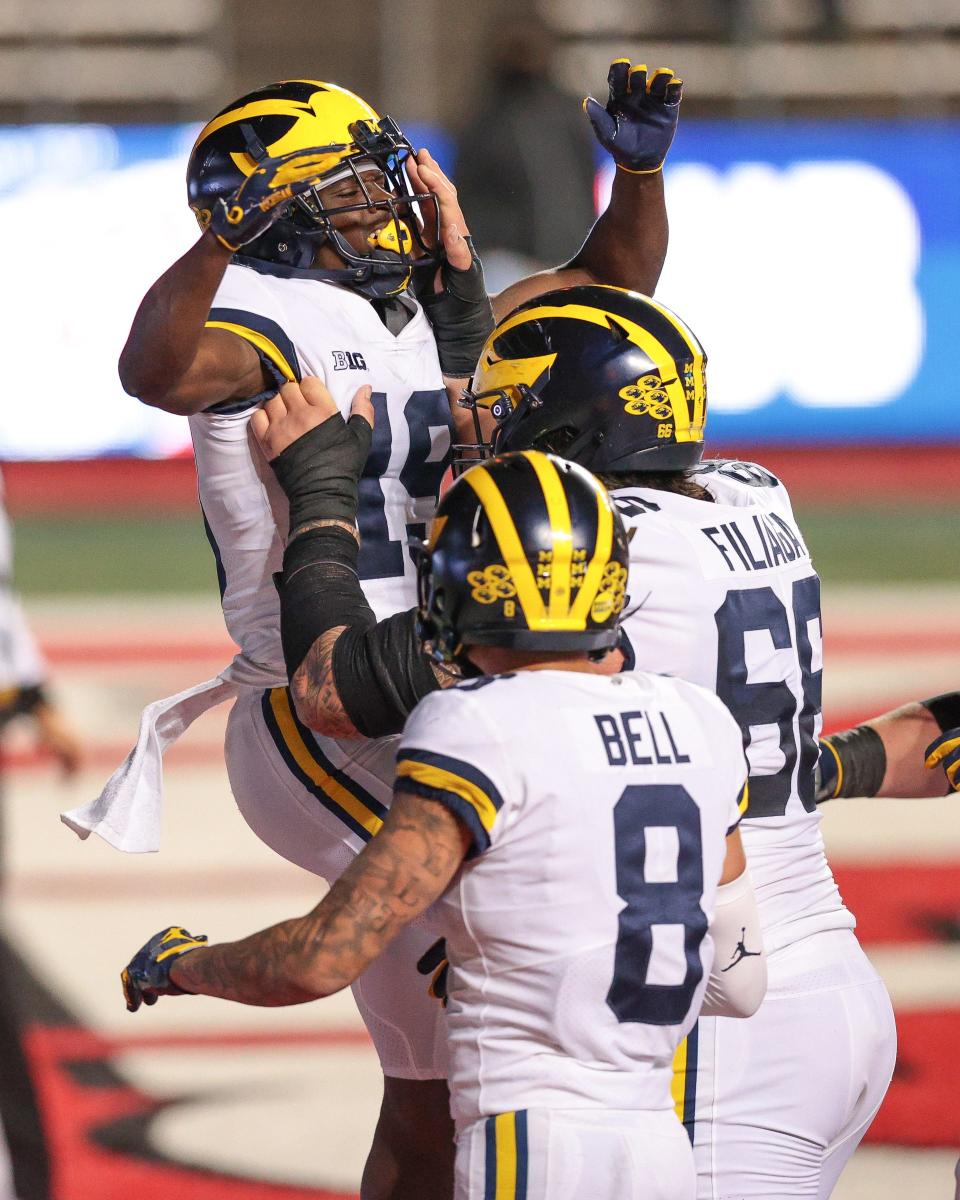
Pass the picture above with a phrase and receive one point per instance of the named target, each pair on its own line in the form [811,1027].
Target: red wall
[913,473]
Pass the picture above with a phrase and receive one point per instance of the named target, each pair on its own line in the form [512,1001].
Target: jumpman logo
[741,951]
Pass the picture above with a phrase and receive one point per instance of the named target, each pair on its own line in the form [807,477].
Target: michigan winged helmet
[526,551]
[606,377]
[350,142]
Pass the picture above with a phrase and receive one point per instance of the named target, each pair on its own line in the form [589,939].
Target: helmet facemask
[394,250]
[505,405]
[380,151]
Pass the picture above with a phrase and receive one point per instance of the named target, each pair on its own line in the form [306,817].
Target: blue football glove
[436,963]
[640,118]
[263,196]
[146,977]
[945,752]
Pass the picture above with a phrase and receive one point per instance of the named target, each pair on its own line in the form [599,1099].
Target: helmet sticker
[493,583]
[647,398]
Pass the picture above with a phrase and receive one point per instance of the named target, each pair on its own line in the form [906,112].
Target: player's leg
[273,770]
[780,1096]
[572,1154]
[412,1153]
[411,1157]
[868,1010]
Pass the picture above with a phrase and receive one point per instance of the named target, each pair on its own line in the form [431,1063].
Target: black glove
[146,977]
[320,472]
[263,195]
[436,963]
[640,118]
[461,314]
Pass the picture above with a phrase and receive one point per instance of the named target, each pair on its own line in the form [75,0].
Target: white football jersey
[310,327]
[725,595]
[577,928]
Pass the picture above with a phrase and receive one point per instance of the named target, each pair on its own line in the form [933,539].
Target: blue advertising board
[818,262]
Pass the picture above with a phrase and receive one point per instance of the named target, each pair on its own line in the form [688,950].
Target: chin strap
[379,276]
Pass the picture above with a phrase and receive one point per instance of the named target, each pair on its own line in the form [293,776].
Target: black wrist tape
[319,590]
[945,710]
[461,316]
[320,471]
[863,760]
[381,674]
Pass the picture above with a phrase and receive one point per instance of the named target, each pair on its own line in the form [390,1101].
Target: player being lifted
[577,830]
[722,592]
[331,249]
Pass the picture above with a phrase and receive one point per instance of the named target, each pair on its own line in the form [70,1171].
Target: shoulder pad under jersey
[749,473]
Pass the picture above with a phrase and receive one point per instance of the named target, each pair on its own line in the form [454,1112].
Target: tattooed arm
[399,875]
[374,675]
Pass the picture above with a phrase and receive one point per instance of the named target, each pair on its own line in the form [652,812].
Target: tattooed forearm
[314,689]
[399,875]
[316,695]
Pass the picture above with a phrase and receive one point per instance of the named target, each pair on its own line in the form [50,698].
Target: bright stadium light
[81,250]
[822,281]
[800,281]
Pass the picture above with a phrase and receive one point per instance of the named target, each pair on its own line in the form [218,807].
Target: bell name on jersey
[304,327]
[577,929]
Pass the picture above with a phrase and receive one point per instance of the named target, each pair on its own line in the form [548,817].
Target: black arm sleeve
[382,673]
[319,589]
[862,761]
[380,670]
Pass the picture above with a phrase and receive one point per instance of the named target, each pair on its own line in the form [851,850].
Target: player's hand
[436,964]
[640,118]
[262,196]
[425,177]
[944,752]
[455,296]
[146,977]
[317,457]
[299,407]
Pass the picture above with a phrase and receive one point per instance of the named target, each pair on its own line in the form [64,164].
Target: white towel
[127,812]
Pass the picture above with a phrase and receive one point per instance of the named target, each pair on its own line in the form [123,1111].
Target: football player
[722,592]
[325,241]
[578,831]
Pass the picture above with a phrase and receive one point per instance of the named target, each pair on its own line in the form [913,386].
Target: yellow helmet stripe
[561,533]
[601,556]
[658,354]
[505,531]
[697,353]
[257,108]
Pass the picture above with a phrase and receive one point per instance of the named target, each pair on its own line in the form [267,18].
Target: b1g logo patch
[348,360]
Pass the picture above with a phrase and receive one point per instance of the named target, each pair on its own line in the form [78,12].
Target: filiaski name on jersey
[756,542]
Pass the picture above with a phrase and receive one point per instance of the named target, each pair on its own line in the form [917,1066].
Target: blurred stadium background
[816,250]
